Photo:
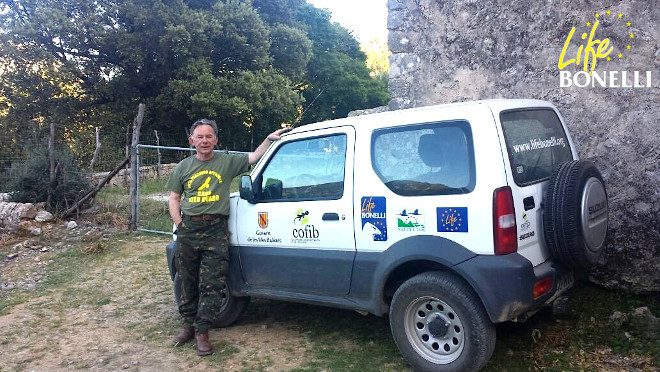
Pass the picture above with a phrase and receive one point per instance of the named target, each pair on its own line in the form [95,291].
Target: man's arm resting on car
[255,155]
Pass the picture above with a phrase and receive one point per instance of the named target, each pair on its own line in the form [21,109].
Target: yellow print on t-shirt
[203,196]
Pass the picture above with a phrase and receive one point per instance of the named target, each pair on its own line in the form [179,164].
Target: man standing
[199,187]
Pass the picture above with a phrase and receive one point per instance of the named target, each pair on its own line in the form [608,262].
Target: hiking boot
[187,333]
[204,346]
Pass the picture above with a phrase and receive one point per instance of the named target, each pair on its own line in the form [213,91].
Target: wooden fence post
[158,166]
[187,137]
[51,162]
[127,154]
[137,123]
[97,149]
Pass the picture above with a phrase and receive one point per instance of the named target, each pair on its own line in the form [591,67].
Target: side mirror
[246,189]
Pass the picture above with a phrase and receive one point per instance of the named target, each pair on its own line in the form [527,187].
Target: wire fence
[16,150]
[158,154]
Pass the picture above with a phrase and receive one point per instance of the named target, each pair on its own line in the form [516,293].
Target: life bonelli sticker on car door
[374,217]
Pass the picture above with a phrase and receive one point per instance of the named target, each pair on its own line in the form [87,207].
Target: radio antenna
[305,110]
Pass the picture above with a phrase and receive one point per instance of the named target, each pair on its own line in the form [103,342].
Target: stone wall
[449,51]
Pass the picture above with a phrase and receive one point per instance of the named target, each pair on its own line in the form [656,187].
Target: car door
[298,234]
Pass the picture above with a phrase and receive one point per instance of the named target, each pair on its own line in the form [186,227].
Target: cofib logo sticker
[303,232]
[594,51]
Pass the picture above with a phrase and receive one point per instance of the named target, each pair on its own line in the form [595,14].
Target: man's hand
[255,155]
[275,136]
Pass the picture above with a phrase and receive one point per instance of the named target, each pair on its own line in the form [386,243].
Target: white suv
[450,218]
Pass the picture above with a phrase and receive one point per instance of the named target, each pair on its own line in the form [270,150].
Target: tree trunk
[133,206]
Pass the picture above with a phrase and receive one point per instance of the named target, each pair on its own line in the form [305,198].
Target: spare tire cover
[575,218]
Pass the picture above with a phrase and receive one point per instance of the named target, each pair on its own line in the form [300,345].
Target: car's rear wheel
[231,309]
[575,216]
[439,324]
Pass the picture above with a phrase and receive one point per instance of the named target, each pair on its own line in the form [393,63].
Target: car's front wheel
[439,324]
[231,309]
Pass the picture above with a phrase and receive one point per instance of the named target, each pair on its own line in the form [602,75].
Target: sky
[366,18]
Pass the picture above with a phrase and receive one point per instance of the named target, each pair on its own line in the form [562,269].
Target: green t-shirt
[204,185]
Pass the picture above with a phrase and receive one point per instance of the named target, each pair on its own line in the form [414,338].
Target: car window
[307,169]
[425,159]
[536,143]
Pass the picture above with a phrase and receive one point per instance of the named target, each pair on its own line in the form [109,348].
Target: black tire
[231,310]
[572,235]
[439,324]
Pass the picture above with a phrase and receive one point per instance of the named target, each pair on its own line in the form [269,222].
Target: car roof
[495,105]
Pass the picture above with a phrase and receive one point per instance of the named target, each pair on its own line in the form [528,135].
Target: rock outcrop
[449,51]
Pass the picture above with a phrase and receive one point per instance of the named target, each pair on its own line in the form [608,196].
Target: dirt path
[118,314]
[100,299]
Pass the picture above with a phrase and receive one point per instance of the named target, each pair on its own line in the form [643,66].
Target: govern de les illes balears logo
[592,50]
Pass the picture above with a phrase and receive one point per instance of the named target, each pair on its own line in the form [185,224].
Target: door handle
[330,217]
[528,202]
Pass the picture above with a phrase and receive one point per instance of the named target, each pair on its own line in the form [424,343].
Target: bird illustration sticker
[410,220]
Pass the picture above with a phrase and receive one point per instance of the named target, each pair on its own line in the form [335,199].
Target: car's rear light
[504,222]
[542,286]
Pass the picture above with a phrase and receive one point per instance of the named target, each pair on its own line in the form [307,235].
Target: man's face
[204,140]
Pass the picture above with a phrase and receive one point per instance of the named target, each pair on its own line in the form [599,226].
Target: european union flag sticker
[453,219]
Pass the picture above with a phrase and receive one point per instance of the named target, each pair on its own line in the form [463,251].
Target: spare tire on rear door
[575,214]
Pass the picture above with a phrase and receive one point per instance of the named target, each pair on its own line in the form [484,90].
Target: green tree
[336,80]
[81,64]
[340,84]
[291,51]
[246,104]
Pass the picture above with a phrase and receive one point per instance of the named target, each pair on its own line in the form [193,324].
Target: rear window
[425,159]
[536,143]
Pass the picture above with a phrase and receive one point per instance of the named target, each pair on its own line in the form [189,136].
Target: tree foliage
[249,64]
[378,57]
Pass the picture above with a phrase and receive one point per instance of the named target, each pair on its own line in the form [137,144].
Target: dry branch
[95,190]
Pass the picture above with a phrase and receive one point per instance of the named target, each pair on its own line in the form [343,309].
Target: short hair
[208,122]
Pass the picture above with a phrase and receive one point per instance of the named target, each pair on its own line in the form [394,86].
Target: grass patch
[582,340]
[577,341]
[342,340]
[14,298]
[65,274]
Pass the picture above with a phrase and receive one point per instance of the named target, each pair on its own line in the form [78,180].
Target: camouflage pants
[202,258]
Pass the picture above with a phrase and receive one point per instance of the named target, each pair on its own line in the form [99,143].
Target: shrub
[30,180]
